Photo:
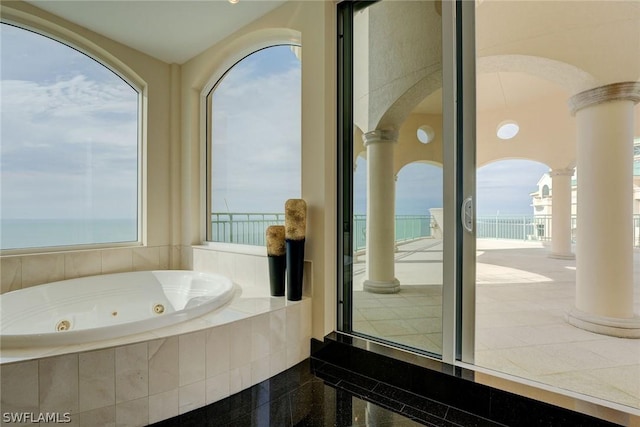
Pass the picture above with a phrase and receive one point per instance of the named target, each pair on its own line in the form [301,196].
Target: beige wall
[312,23]
[172,172]
[153,76]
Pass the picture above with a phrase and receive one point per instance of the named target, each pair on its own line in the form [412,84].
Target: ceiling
[499,90]
[173,31]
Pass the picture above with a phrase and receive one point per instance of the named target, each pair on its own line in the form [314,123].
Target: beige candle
[275,240]
[295,219]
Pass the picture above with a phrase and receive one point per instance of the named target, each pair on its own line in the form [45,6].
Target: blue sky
[69,129]
[62,111]
[502,187]
[256,133]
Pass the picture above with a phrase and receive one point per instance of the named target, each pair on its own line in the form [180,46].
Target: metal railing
[537,227]
[408,227]
[525,227]
[243,228]
[249,228]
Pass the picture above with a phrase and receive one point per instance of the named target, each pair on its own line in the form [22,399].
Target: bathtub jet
[108,306]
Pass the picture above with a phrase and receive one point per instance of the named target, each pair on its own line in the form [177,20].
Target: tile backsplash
[249,270]
[22,271]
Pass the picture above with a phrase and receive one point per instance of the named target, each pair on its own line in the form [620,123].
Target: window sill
[233,248]
[70,248]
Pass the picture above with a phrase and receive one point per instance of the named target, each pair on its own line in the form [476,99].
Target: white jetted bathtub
[107,306]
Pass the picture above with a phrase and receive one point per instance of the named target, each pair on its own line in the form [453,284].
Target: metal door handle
[466,214]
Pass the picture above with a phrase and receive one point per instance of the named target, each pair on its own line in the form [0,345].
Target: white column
[380,251]
[561,214]
[604,254]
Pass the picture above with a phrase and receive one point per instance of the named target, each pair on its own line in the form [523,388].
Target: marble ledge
[245,305]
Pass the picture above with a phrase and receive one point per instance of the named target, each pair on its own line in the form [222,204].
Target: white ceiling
[171,30]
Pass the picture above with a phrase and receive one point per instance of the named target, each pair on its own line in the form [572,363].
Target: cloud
[418,188]
[257,134]
[68,145]
[30,56]
[504,186]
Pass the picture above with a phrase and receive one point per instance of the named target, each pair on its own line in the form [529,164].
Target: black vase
[295,268]
[277,267]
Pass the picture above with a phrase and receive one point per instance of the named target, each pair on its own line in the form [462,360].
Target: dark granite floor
[315,393]
[349,381]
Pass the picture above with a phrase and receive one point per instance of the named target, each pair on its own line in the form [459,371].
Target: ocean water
[38,233]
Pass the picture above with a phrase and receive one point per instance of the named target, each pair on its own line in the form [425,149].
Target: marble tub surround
[165,373]
[25,270]
[245,265]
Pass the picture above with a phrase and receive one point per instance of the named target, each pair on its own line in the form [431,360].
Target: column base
[379,287]
[612,326]
[561,256]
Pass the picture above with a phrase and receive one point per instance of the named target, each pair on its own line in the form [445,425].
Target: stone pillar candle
[277,259]
[295,219]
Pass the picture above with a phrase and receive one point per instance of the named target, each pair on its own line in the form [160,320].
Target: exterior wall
[313,23]
[409,149]
[392,79]
[30,269]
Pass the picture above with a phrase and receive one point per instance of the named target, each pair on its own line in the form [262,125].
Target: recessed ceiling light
[233,1]
[507,129]
[425,134]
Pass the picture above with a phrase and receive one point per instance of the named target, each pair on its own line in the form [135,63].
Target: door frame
[459,115]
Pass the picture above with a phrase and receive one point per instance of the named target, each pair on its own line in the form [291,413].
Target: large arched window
[253,145]
[70,147]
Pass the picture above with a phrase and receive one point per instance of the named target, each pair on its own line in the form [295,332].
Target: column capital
[380,135]
[623,91]
[561,172]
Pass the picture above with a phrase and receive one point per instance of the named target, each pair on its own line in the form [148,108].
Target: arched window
[70,144]
[253,145]
[545,191]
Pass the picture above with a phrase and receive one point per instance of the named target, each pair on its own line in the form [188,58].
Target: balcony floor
[522,297]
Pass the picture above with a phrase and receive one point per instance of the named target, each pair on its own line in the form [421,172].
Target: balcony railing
[408,227]
[525,227]
[249,228]
[242,227]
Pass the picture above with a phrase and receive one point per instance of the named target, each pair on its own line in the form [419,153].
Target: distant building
[541,198]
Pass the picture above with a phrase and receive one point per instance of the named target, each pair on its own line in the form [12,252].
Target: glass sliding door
[402,163]
[558,265]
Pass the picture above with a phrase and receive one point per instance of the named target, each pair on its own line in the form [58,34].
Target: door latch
[466,214]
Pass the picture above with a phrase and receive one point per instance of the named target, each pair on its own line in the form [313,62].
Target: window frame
[101,56]
[280,37]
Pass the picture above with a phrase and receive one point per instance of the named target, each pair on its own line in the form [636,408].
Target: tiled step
[430,391]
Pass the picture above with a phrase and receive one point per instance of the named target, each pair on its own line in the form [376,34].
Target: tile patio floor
[521,300]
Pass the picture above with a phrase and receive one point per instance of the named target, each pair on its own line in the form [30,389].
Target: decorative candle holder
[295,219]
[277,259]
